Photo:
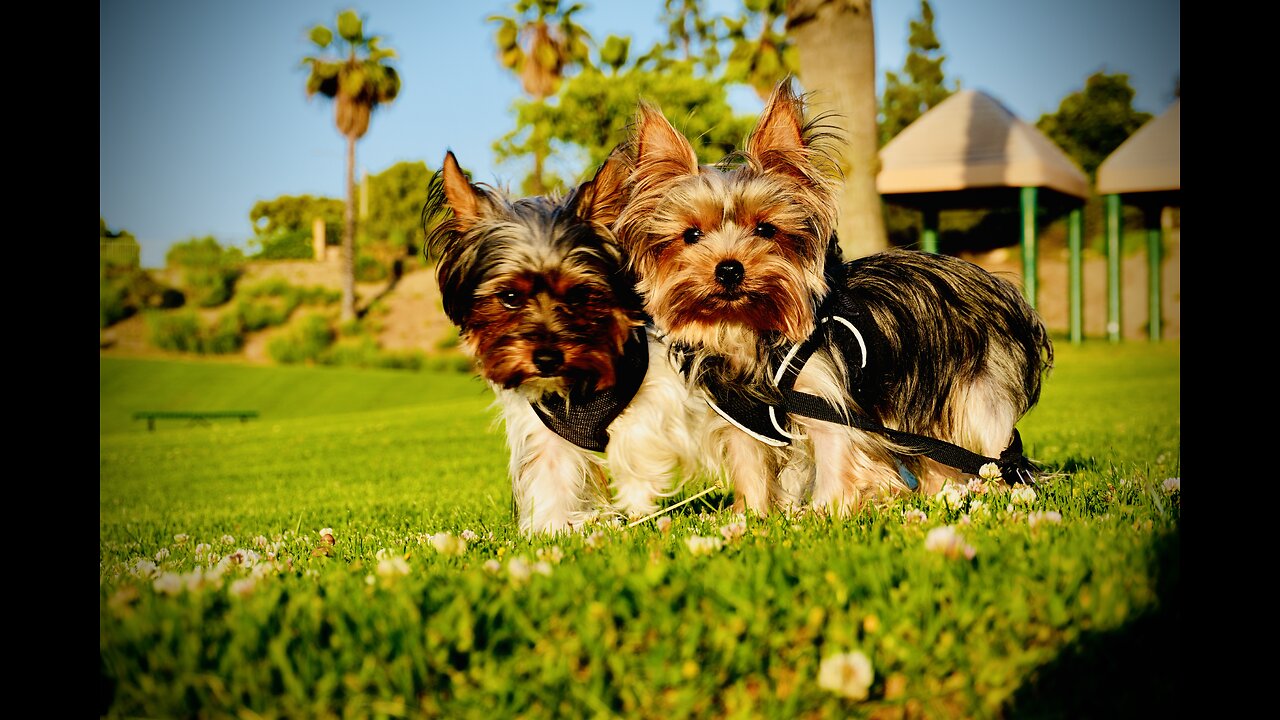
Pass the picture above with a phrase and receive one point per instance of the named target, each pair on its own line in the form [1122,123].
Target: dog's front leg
[553,480]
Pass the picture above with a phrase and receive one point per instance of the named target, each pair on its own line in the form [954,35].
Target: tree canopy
[1091,123]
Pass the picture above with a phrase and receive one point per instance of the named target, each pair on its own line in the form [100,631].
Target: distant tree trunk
[348,267]
[836,43]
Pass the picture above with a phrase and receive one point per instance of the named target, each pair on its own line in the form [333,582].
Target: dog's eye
[510,299]
[765,230]
[692,235]
[578,295]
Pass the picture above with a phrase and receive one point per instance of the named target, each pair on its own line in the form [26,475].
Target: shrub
[178,330]
[289,245]
[126,291]
[304,341]
[223,337]
[364,352]
[209,270]
[368,269]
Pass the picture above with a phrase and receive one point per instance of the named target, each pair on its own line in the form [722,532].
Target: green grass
[277,393]
[1073,619]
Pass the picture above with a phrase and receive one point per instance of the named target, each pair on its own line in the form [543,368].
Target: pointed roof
[1150,160]
[969,141]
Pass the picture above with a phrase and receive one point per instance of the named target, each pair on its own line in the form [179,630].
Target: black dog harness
[584,419]
[850,330]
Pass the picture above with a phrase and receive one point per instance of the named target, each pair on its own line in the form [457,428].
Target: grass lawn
[219,597]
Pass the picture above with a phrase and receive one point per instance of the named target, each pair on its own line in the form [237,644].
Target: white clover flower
[468,535]
[699,545]
[327,536]
[260,542]
[1047,516]
[595,539]
[448,544]
[733,530]
[1022,495]
[162,554]
[198,579]
[392,567]
[181,539]
[947,541]
[1172,485]
[976,486]
[664,524]
[979,510]
[847,674]
[228,540]
[143,568]
[519,570]
[492,566]
[914,515]
[243,587]
[384,554]
[990,471]
[554,554]
[542,567]
[951,494]
[965,519]
[201,549]
[168,584]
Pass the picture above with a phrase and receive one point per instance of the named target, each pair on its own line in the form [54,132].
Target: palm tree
[541,44]
[835,40]
[356,78]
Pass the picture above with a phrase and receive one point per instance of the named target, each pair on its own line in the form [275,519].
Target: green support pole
[1154,320]
[1114,221]
[1029,260]
[929,238]
[1075,223]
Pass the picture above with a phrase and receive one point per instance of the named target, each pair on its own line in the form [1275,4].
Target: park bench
[196,417]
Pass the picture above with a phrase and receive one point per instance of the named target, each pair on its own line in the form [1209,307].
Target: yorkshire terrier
[546,308]
[739,264]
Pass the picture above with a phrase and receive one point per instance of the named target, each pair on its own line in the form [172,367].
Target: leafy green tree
[395,209]
[291,213]
[762,53]
[1090,124]
[594,110]
[542,44]
[922,84]
[356,76]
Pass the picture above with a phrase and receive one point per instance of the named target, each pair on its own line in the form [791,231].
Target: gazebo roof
[1149,161]
[971,141]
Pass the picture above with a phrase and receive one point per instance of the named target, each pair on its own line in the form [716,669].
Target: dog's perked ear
[778,140]
[661,152]
[602,198]
[464,199]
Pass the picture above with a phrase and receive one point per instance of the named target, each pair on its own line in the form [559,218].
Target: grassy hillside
[277,393]
[218,596]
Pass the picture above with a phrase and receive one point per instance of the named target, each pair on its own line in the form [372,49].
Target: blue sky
[203,110]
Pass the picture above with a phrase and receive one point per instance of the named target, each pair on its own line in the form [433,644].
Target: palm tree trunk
[348,264]
[836,43]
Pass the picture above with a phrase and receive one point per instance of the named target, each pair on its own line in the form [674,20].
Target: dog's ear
[460,195]
[778,140]
[661,152]
[601,199]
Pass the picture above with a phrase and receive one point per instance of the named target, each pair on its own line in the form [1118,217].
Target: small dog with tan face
[826,382]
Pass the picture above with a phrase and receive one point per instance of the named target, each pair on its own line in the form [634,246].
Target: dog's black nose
[547,359]
[729,273]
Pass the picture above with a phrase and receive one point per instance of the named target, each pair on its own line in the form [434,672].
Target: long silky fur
[966,353]
[487,243]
